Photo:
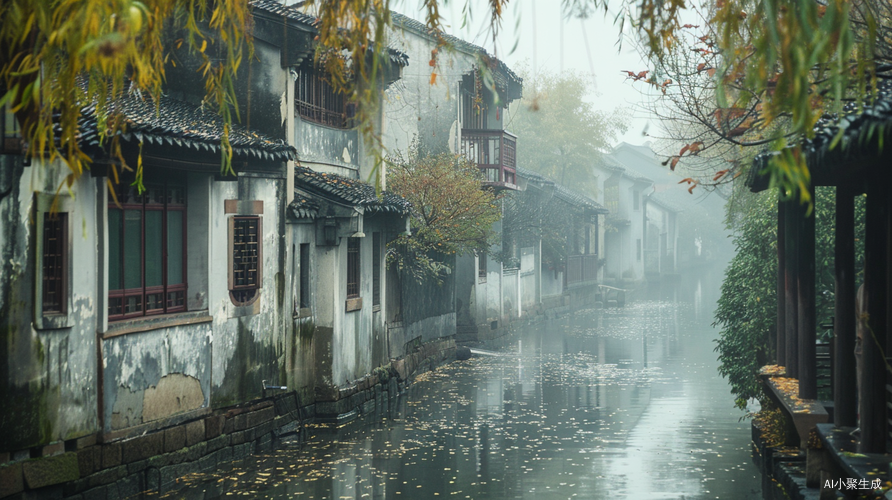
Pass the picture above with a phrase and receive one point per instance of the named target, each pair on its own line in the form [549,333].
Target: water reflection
[622,403]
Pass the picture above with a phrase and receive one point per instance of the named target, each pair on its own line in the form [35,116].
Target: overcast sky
[546,41]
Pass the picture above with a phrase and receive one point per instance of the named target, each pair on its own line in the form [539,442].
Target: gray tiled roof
[289,12]
[606,161]
[303,207]
[179,123]
[350,191]
[533,176]
[635,176]
[577,198]
[296,14]
[564,193]
[859,137]
[665,200]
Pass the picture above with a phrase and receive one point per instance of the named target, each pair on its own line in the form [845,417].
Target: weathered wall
[223,357]
[510,295]
[301,336]
[348,344]
[261,87]
[415,108]
[552,283]
[620,240]
[325,148]
[152,375]
[47,376]
[530,272]
[248,345]
[428,307]
[488,294]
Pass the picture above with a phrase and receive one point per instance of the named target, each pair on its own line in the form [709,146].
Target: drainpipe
[290,78]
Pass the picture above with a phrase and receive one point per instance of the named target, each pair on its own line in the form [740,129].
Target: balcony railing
[494,152]
[582,268]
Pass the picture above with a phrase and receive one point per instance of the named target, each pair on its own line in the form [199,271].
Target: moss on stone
[47,471]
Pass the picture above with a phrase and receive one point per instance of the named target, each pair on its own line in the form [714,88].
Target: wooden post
[873,374]
[844,387]
[808,372]
[791,281]
[781,270]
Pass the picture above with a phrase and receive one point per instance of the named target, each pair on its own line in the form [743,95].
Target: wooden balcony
[494,152]
[582,269]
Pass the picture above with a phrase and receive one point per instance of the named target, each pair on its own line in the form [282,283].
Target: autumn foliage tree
[751,75]
[452,213]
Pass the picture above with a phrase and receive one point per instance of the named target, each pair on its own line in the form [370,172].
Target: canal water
[616,403]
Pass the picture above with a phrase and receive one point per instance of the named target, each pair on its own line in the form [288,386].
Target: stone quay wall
[87,469]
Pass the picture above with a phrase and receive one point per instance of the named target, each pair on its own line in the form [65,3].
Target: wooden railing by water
[582,268]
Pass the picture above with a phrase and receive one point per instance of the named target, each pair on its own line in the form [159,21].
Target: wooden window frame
[354,268]
[376,269]
[316,100]
[140,202]
[54,263]
[240,255]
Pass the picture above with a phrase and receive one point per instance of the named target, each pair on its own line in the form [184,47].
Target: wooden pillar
[844,386]
[780,339]
[808,372]
[791,280]
[873,375]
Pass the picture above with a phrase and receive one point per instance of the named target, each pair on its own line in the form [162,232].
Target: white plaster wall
[53,370]
[415,107]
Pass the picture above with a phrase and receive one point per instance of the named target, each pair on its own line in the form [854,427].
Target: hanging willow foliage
[56,57]
[798,57]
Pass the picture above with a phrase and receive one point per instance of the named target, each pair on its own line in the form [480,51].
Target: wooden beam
[780,337]
[791,281]
[844,387]
[873,374]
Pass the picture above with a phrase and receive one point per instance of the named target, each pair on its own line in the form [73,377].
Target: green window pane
[154,249]
[174,248]
[115,257]
[132,248]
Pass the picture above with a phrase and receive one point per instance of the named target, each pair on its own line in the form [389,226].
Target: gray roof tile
[179,123]
[350,191]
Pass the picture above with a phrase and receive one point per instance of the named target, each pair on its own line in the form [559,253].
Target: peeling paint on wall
[175,393]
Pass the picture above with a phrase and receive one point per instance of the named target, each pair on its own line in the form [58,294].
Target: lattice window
[353,268]
[55,262]
[147,250]
[245,257]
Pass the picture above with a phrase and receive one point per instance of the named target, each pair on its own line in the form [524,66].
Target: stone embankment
[86,468]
